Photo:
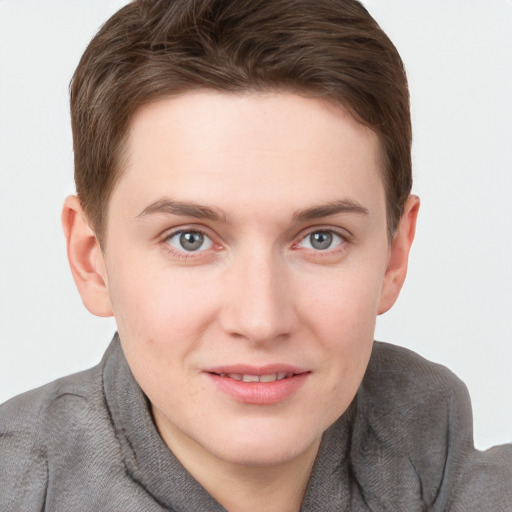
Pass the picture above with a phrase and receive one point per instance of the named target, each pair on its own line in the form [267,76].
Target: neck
[240,487]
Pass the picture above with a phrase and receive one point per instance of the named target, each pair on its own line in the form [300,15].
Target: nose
[258,301]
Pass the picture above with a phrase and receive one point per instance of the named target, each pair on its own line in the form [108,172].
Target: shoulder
[416,416]
[29,433]
[411,376]
[408,412]
[418,392]
[390,359]
[29,411]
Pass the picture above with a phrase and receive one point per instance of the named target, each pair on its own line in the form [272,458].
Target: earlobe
[399,255]
[85,259]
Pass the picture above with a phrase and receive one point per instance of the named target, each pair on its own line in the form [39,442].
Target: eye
[321,240]
[190,241]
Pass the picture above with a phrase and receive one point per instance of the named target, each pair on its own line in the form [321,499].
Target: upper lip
[246,369]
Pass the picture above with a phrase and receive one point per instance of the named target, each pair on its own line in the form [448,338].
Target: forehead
[273,148]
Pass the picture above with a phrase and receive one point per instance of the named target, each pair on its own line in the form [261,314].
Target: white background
[456,307]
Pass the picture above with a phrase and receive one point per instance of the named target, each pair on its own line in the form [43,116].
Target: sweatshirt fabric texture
[87,442]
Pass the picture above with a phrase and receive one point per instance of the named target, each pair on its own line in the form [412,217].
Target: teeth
[251,378]
[257,378]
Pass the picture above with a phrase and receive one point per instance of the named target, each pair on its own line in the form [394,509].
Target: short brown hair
[151,49]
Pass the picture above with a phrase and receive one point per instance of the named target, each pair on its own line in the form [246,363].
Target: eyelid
[182,253]
[334,241]
[183,228]
[343,234]
[206,240]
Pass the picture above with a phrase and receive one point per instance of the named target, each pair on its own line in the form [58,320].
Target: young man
[244,211]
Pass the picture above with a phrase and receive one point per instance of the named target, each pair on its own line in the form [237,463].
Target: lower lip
[260,393]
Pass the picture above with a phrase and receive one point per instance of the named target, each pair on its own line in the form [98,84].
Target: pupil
[321,240]
[191,240]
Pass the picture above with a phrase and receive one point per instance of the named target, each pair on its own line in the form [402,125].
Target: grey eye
[321,240]
[190,241]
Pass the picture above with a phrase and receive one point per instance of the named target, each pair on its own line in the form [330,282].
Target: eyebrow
[184,209]
[188,209]
[332,208]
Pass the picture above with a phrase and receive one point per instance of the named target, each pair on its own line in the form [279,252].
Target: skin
[258,291]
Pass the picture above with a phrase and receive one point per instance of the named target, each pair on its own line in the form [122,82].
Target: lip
[258,393]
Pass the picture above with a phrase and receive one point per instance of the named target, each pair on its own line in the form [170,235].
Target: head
[243,176]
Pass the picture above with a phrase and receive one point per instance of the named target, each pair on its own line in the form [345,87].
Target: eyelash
[344,238]
[183,253]
[187,255]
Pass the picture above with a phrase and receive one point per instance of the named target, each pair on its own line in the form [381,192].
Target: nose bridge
[258,304]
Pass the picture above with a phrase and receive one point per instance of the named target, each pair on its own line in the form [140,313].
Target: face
[245,258]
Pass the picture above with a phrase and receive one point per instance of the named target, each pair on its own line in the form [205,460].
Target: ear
[399,255]
[85,259]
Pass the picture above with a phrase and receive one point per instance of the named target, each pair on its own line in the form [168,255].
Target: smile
[258,386]
[257,378]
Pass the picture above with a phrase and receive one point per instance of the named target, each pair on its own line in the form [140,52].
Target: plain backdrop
[456,306]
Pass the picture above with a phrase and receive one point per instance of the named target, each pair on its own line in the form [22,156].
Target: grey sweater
[88,443]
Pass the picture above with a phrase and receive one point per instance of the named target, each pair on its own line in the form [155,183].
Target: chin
[257,448]
[260,456]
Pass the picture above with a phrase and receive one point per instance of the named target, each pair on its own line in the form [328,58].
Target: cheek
[161,321]
[160,308]
[345,304]
[343,319]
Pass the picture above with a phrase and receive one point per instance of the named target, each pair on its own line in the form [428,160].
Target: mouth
[259,386]
[247,377]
